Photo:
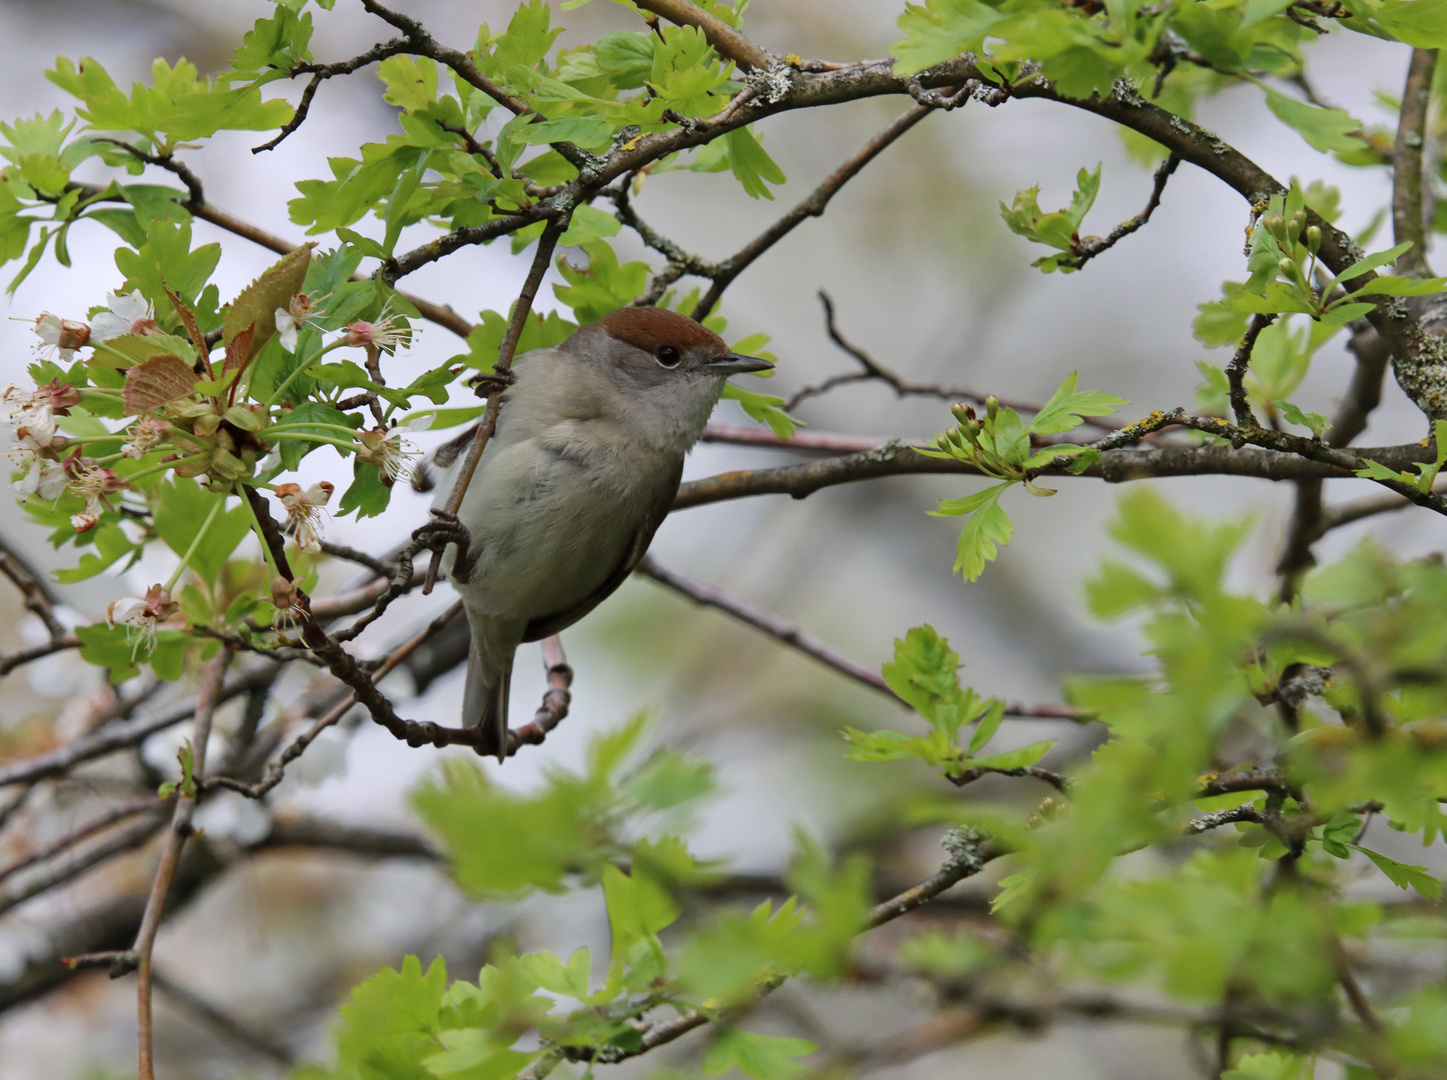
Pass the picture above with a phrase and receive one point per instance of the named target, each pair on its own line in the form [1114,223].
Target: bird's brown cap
[651,328]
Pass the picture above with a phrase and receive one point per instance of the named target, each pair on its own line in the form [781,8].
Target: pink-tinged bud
[384,334]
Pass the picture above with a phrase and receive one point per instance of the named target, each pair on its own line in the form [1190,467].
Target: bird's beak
[733,364]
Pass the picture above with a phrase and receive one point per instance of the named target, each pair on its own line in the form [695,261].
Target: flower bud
[992,406]
[1287,267]
[1313,239]
[959,412]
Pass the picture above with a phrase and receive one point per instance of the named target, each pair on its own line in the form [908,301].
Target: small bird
[581,471]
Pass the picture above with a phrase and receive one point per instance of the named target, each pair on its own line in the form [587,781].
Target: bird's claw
[486,384]
[444,529]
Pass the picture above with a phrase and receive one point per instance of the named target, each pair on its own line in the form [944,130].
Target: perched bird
[582,469]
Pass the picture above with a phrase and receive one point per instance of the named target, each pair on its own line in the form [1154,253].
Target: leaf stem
[195,544]
[302,367]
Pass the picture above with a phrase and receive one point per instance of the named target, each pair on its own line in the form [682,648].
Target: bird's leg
[444,529]
[487,384]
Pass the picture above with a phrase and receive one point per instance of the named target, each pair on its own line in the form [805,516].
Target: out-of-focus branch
[128,809]
[122,734]
[1407,217]
[39,597]
[73,861]
[1308,520]
[766,622]
[258,1042]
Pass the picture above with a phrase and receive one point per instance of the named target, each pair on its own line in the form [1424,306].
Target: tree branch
[1115,466]
[1407,217]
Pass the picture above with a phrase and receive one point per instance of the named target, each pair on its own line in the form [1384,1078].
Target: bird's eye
[668,357]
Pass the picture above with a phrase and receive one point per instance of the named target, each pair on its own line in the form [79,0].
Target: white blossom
[63,335]
[129,313]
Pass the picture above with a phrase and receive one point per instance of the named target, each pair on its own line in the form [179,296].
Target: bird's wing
[548,625]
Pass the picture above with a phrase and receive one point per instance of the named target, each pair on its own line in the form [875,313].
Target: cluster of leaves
[1184,51]
[612,828]
[1002,445]
[1059,229]
[925,675]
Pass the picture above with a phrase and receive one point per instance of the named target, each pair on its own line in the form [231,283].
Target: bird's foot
[444,529]
[487,384]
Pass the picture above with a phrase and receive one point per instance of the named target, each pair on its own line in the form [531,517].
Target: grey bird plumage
[582,469]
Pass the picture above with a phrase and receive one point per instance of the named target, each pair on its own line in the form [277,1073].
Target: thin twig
[276,770]
[165,161]
[1407,219]
[1091,246]
[115,814]
[321,72]
[781,630]
[875,371]
[186,799]
[812,206]
[1236,371]
[541,259]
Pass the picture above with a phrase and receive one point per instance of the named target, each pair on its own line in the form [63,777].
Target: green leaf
[1399,286]
[763,408]
[179,508]
[1014,759]
[638,908]
[1419,23]
[752,166]
[925,675]
[988,527]
[1323,129]
[368,495]
[411,81]
[550,973]
[762,1057]
[940,29]
[588,132]
[1066,408]
[391,1023]
[1315,421]
[1270,1066]
[1371,262]
[1406,875]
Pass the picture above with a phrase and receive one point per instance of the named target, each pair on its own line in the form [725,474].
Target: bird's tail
[489,671]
